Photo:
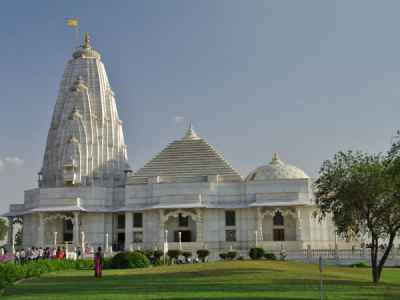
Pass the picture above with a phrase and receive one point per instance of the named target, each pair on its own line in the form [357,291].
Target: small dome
[86,49]
[276,169]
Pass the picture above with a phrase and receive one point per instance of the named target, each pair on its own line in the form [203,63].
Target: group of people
[32,254]
[23,256]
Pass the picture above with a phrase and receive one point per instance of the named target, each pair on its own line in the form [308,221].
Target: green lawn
[219,280]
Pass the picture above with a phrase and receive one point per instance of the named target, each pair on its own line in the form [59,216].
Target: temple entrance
[120,241]
[181,223]
[68,231]
[186,236]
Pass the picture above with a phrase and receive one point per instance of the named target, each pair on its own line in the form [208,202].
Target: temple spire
[275,158]
[190,133]
[86,40]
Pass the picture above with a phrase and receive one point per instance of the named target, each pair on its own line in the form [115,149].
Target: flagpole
[77,36]
[74,23]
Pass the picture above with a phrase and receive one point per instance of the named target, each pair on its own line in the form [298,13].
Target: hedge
[203,254]
[11,272]
[256,253]
[125,260]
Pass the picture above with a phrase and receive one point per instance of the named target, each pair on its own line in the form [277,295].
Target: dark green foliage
[174,254]
[158,254]
[223,256]
[202,254]
[126,260]
[256,253]
[85,264]
[107,262]
[148,253]
[361,192]
[231,255]
[186,254]
[3,228]
[269,256]
[10,272]
[361,264]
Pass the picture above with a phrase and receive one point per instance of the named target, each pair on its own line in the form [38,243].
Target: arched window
[278,219]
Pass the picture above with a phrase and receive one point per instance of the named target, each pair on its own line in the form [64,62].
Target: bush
[186,254]
[10,272]
[231,255]
[223,255]
[270,256]
[107,262]
[148,253]
[85,264]
[174,254]
[158,254]
[361,264]
[256,253]
[203,254]
[127,260]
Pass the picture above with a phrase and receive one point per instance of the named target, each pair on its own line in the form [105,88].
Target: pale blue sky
[303,78]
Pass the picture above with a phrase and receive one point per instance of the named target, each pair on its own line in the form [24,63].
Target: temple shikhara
[187,195]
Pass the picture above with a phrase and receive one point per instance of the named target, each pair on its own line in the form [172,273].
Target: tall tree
[361,192]
[3,228]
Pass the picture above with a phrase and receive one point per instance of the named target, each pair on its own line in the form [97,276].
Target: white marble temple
[85,185]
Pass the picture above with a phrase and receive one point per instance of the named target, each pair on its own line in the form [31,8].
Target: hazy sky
[302,78]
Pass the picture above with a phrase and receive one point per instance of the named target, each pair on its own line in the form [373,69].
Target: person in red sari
[98,263]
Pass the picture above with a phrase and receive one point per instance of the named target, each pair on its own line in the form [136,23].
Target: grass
[220,280]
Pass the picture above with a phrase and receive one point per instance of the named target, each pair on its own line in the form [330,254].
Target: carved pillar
[128,230]
[259,220]
[40,239]
[199,226]
[162,228]
[75,237]
[299,236]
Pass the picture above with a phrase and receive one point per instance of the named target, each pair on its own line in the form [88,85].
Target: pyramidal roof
[191,156]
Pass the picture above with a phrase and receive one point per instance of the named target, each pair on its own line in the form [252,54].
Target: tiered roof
[190,157]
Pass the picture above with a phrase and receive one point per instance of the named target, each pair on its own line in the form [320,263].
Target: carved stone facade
[188,195]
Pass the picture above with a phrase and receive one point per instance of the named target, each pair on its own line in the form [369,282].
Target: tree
[3,228]
[361,193]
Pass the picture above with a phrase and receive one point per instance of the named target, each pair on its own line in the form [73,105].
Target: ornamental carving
[175,214]
[53,217]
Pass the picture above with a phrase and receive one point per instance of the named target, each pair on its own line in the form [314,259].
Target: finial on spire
[275,158]
[190,133]
[86,40]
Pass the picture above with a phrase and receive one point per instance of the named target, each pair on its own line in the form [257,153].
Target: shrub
[223,255]
[85,264]
[148,253]
[127,260]
[107,262]
[174,254]
[270,256]
[256,253]
[158,254]
[203,254]
[361,264]
[186,254]
[231,255]
[10,272]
